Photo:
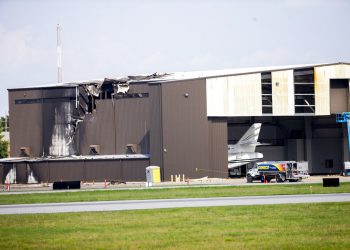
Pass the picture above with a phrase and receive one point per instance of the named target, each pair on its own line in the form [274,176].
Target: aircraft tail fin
[249,140]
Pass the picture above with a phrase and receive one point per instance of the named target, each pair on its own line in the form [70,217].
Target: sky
[108,38]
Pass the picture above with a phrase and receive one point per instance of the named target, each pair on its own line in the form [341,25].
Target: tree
[5,123]
[3,143]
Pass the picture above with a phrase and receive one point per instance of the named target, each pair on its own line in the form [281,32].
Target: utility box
[152,175]
[331,182]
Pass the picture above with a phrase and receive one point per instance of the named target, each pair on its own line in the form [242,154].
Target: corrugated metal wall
[98,128]
[234,95]
[322,85]
[132,124]
[218,147]
[26,123]
[58,108]
[186,132]
[41,171]
[156,131]
[103,170]
[84,170]
[116,123]
[34,121]
[283,92]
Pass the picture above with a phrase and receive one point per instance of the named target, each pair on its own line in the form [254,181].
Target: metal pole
[59,55]
[348,124]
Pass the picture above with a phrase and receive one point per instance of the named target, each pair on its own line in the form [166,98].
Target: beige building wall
[283,92]
[323,75]
[234,95]
[241,95]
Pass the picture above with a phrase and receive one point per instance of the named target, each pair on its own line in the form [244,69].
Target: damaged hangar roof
[176,76]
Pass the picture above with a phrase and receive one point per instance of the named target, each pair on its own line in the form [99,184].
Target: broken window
[91,103]
[133,95]
[305,100]
[107,91]
[266,92]
[304,91]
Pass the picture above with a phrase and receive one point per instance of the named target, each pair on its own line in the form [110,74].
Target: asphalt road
[169,203]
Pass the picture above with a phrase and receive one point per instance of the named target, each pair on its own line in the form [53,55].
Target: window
[266,92]
[304,91]
[305,75]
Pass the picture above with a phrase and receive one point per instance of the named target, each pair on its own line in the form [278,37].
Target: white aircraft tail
[243,152]
[248,141]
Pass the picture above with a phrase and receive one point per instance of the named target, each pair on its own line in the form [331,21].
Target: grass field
[306,226]
[194,192]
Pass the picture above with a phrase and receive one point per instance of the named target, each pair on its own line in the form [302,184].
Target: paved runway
[169,203]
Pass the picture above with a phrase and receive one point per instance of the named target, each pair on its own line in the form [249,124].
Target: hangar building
[183,122]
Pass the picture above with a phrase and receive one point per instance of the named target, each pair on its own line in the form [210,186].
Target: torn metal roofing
[178,76]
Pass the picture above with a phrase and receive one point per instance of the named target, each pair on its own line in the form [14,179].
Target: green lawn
[193,192]
[306,226]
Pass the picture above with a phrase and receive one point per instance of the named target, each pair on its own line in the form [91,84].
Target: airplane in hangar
[243,152]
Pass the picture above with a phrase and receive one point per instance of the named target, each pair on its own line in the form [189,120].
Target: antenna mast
[59,54]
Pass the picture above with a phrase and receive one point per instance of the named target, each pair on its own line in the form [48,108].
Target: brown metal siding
[25,123]
[218,148]
[55,116]
[32,124]
[132,124]
[66,170]
[138,88]
[103,170]
[98,129]
[21,172]
[156,132]
[40,171]
[82,170]
[185,129]
[116,123]
[135,170]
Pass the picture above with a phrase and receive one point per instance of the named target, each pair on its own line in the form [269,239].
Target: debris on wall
[62,135]
[31,178]
[11,175]
[68,115]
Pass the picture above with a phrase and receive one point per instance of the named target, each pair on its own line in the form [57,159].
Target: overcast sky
[110,38]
